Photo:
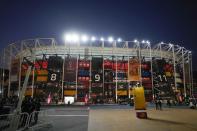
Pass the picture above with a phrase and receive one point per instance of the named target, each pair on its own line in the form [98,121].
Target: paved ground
[67,119]
[125,120]
[120,118]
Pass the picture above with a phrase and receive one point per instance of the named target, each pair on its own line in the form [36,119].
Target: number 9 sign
[97,77]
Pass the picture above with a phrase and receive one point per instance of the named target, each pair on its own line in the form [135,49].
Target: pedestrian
[68,103]
[156,104]
[160,104]
[37,109]
[168,103]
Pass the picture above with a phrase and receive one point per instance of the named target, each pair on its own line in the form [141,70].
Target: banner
[70,67]
[134,70]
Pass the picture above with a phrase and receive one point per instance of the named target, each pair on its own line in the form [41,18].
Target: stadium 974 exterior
[100,71]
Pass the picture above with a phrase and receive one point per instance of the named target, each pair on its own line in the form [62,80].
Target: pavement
[120,118]
[168,119]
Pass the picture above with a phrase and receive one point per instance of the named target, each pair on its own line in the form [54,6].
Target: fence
[39,119]
[33,121]
[5,121]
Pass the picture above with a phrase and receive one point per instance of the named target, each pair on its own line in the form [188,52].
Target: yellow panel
[28,92]
[139,98]
[69,92]
[42,78]
[168,74]
[121,93]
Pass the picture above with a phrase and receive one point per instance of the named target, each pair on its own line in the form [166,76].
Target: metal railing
[5,121]
[33,121]
[39,119]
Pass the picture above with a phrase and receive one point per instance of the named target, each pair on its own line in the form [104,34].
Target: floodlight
[119,40]
[110,39]
[93,38]
[68,37]
[102,39]
[84,38]
[147,42]
[161,42]
[143,41]
[135,41]
[170,45]
[75,37]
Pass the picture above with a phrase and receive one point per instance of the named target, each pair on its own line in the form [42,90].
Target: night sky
[159,20]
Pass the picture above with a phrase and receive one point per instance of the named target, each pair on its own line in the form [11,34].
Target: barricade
[5,121]
[39,119]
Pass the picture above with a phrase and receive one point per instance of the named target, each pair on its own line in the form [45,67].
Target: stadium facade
[102,71]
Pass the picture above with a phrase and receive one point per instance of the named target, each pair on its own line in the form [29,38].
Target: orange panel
[69,92]
[42,78]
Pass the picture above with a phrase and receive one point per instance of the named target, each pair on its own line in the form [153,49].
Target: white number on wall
[53,77]
[97,77]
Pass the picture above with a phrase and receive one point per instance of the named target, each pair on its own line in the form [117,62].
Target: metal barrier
[5,121]
[39,119]
[34,121]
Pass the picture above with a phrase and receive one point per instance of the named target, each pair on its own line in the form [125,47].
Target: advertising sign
[134,70]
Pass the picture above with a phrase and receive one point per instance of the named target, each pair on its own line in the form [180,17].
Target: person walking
[37,109]
[168,103]
[160,104]
[156,104]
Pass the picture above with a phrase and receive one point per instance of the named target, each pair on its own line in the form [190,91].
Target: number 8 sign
[53,77]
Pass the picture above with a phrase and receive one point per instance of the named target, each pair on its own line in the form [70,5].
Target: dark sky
[159,20]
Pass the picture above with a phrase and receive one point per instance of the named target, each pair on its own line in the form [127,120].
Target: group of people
[30,105]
